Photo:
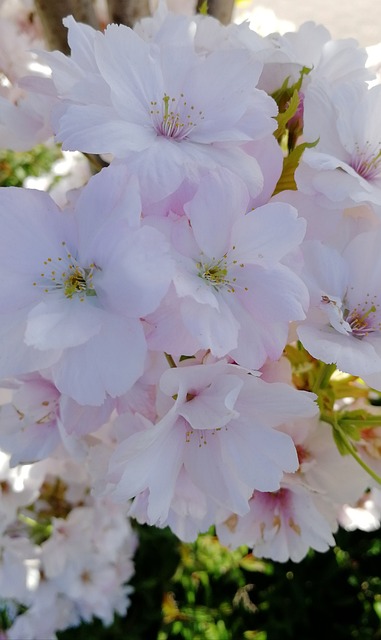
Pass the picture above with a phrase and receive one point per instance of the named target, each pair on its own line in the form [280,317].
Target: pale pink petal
[61,322]
[110,362]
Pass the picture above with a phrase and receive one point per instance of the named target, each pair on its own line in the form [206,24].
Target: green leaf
[377,608]
[203,9]
[250,563]
[290,164]
[284,116]
[283,94]
[352,423]
[340,442]
[351,430]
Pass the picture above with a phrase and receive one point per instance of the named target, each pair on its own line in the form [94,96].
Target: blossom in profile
[343,325]
[76,293]
[281,525]
[344,168]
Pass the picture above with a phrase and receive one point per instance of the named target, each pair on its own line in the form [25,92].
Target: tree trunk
[83,11]
[51,13]
[220,9]
[127,11]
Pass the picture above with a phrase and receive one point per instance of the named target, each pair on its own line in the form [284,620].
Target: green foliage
[202,591]
[15,166]
[210,595]
[335,594]
[289,130]
[284,116]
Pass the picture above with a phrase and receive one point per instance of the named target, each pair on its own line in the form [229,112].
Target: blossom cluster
[198,327]
[65,556]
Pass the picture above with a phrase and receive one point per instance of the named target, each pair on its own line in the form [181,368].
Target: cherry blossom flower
[311,46]
[344,321]
[17,488]
[220,427]
[281,525]
[235,295]
[345,165]
[365,514]
[38,418]
[185,113]
[190,513]
[24,115]
[83,285]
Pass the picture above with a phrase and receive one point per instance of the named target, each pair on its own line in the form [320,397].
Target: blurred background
[360,19]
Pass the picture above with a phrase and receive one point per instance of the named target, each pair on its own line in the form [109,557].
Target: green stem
[170,361]
[27,520]
[324,377]
[353,451]
[329,419]
[366,422]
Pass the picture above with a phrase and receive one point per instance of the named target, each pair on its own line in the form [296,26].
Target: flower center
[367,163]
[360,322]
[175,119]
[79,281]
[215,273]
[201,435]
[45,413]
[66,274]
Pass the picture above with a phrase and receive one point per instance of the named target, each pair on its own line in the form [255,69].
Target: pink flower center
[360,321]
[175,119]
[365,319]
[367,163]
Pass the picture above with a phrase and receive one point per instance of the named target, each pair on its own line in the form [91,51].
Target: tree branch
[220,9]
[127,11]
